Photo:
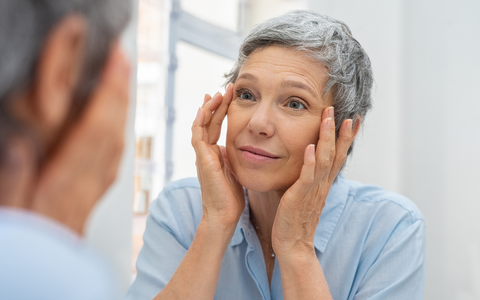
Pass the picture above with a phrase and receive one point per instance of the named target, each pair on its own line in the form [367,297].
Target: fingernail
[217,94]
[329,122]
[311,150]
[349,125]
[330,112]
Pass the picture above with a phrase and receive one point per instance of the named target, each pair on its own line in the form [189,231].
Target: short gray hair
[24,27]
[324,39]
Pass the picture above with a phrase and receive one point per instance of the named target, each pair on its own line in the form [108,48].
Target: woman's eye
[295,104]
[246,96]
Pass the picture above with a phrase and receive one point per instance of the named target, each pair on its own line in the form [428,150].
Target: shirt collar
[243,223]
[334,205]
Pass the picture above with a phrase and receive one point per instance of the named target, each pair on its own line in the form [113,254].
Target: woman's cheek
[308,131]
[236,117]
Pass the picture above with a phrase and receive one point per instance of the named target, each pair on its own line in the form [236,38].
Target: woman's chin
[260,183]
[255,186]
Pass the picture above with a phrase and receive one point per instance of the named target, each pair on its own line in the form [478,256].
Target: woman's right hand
[222,195]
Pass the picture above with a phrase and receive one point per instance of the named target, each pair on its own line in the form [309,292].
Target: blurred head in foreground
[63,101]
[63,104]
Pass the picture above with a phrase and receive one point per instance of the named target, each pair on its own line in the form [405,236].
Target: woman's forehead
[287,67]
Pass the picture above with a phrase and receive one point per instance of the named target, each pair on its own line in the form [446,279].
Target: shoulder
[178,197]
[382,204]
[381,239]
[178,208]
[41,260]
[374,216]
[183,186]
[375,221]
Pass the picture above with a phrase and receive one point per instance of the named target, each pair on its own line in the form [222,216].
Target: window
[184,48]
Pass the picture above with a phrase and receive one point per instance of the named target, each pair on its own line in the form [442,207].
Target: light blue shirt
[369,242]
[42,260]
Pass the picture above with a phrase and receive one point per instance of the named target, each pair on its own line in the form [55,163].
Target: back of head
[24,28]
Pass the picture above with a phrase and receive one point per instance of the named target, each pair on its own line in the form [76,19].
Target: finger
[206,98]
[198,128]
[216,124]
[326,145]
[301,187]
[209,108]
[207,159]
[343,143]
[198,132]
[307,174]
[224,157]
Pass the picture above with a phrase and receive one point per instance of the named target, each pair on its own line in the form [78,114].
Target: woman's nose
[261,122]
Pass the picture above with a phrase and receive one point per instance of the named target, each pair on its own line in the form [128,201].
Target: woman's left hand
[301,206]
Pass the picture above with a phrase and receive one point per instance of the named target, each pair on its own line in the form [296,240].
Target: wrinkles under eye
[295,104]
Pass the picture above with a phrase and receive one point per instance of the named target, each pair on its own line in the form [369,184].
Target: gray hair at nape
[24,28]
[326,40]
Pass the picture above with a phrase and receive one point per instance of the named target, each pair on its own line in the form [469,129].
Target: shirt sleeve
[399,270]
[169,232]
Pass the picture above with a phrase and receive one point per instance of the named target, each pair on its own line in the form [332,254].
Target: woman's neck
[263,208]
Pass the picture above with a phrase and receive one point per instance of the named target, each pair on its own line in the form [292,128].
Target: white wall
[421,138]
[441,140]
[262,10]
[109,230]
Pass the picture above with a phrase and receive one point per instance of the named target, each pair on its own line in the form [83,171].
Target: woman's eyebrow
[299,85]
[249,77]
[286,83]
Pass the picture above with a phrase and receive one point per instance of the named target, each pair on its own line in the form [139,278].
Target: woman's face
[274,115]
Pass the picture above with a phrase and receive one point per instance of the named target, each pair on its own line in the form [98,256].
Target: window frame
[192,30]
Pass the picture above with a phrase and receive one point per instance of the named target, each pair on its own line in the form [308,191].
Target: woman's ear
[356,126]
[58,71]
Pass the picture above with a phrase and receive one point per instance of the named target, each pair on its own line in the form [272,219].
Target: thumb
[224,157]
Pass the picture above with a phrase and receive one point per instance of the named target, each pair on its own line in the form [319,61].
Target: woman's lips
[257,155]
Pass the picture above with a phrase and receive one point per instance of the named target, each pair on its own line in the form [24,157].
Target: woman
[250,226]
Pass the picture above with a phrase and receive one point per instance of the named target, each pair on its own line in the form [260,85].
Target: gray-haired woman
[269,216]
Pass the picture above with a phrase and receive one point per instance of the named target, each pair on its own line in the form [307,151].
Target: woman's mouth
[257,155]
